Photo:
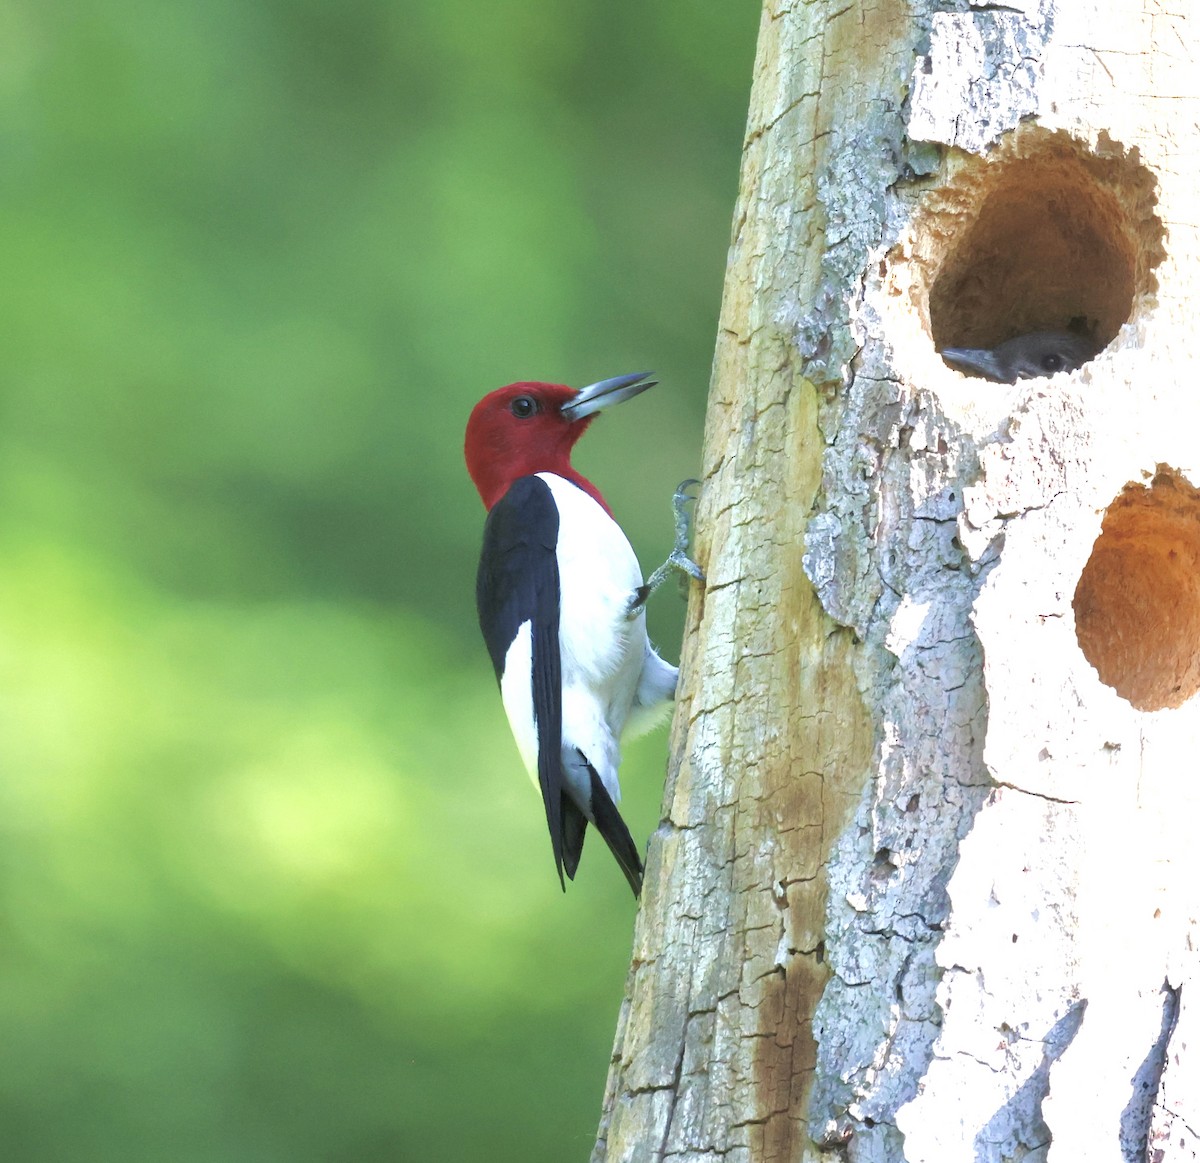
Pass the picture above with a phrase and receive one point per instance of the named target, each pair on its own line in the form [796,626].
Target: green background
[273,885]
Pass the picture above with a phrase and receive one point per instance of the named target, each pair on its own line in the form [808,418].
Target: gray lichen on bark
[981,74]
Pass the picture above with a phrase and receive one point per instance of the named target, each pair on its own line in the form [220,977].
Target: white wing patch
[516,690]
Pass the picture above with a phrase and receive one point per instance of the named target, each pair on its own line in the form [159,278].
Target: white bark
[927,886]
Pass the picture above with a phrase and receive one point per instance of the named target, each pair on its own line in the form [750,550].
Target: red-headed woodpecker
[562,608]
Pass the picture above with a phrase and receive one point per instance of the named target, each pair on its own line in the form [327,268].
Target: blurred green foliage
[273,886]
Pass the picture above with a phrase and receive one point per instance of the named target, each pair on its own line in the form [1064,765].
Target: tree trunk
[926,883]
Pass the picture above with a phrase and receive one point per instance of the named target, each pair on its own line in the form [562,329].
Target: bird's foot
[678,561]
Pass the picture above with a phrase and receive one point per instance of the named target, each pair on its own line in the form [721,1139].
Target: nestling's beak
[595,397]
[977,359]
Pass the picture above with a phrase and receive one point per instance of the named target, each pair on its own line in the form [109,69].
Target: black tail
[574,825]
[616,835]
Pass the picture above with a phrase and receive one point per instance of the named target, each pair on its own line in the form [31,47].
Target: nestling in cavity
[1025,357]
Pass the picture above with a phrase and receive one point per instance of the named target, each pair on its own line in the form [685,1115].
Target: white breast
[603,649]
[598,576]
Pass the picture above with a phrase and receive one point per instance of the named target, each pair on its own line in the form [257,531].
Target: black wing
[518,583]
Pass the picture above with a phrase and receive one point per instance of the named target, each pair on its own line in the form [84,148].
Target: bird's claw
[682,496]
[678,559]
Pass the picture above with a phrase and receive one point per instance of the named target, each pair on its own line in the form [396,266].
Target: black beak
[977,359]
[596,397]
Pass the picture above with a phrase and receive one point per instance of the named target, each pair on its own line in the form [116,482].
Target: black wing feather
[517,583]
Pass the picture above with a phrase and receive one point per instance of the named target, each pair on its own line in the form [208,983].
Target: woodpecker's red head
[527,428]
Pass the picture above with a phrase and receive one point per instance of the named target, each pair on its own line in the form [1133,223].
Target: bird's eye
[523,407]
[1052,362]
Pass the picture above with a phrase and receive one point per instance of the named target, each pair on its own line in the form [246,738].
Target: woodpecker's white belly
[608,665]
[598,578]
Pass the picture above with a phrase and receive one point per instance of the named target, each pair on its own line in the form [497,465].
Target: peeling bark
[927,855]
